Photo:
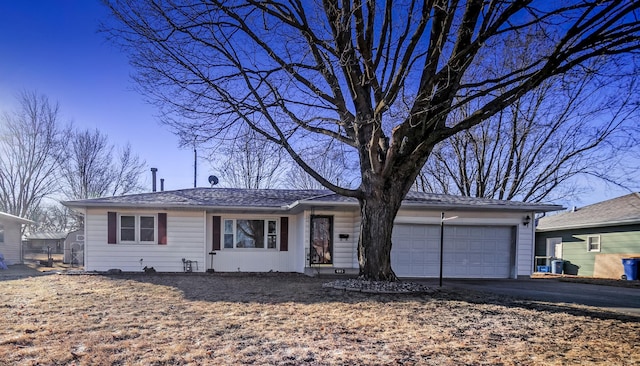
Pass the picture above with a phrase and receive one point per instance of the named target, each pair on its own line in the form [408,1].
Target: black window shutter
[112,227]
[162,228]
[216,233]
[284,234]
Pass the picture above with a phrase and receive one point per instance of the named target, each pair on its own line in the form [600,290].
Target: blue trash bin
[630,268]
[556,266]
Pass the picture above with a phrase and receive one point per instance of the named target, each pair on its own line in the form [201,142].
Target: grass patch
[290,320]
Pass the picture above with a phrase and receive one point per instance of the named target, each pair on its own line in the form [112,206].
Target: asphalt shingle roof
[285,199]
[621,210]
[47,235]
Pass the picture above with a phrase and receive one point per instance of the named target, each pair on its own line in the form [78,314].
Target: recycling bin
[630,268]
[556,266]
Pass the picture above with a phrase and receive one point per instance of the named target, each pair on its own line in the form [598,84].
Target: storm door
[321,251]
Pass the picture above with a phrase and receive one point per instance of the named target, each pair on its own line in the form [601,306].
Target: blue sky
[53,47]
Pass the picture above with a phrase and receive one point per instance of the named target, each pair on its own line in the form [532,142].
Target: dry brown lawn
[290,320]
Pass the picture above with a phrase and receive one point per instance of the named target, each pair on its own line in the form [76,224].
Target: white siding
[525,247]
[11,247]
[256,260]
[189,235]
[298,241]
[356,236]
[185,239]
[344,250]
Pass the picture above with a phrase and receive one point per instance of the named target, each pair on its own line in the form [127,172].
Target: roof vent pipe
[161,184]
[153,179]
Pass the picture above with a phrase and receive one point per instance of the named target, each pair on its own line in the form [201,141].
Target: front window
[244,233]
[147,228]
[127,228]
[137,229]
[593,243]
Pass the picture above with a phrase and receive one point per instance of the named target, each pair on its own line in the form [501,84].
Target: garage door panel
[488,258]
[469,251]
[502,260]
[417,244]
[402,256]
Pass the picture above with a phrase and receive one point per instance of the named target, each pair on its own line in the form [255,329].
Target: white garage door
[469,251]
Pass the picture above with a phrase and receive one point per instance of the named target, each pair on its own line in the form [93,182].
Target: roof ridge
[330,193]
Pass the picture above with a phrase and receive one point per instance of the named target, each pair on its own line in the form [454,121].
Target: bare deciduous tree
[536,148]
[381,78]
[91,170]
[30,145]
[55,218]
[330,164]
[249,161]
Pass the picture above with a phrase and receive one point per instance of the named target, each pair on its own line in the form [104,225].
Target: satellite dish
[213,180]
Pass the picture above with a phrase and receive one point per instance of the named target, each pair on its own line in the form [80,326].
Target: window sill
[249,250]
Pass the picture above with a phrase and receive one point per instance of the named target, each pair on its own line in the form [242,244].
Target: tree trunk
[377,214]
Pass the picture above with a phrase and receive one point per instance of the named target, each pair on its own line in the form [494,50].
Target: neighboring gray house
[11,237]
[38,242]
[304,231]
[593,239]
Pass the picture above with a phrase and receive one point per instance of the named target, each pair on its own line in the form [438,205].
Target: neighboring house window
[248,233]
[1,234]
[137,229]
[593,243]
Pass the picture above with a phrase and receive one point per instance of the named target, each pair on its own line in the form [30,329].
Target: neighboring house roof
[288,200]
[8,217]
[47,235]
[623,210]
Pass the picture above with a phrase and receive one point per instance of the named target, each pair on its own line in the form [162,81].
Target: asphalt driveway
[618,299]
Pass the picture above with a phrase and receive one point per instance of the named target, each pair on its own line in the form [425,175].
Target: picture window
[250,234]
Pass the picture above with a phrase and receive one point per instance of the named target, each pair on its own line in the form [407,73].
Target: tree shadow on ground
[276,288]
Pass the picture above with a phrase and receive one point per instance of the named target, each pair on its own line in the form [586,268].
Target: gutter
[176,207]
[445,206]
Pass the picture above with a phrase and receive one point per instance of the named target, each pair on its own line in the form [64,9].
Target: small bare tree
[95,168]
[249,161]
[55,217]
[30,145]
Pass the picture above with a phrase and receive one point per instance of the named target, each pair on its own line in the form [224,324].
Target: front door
[321,251]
